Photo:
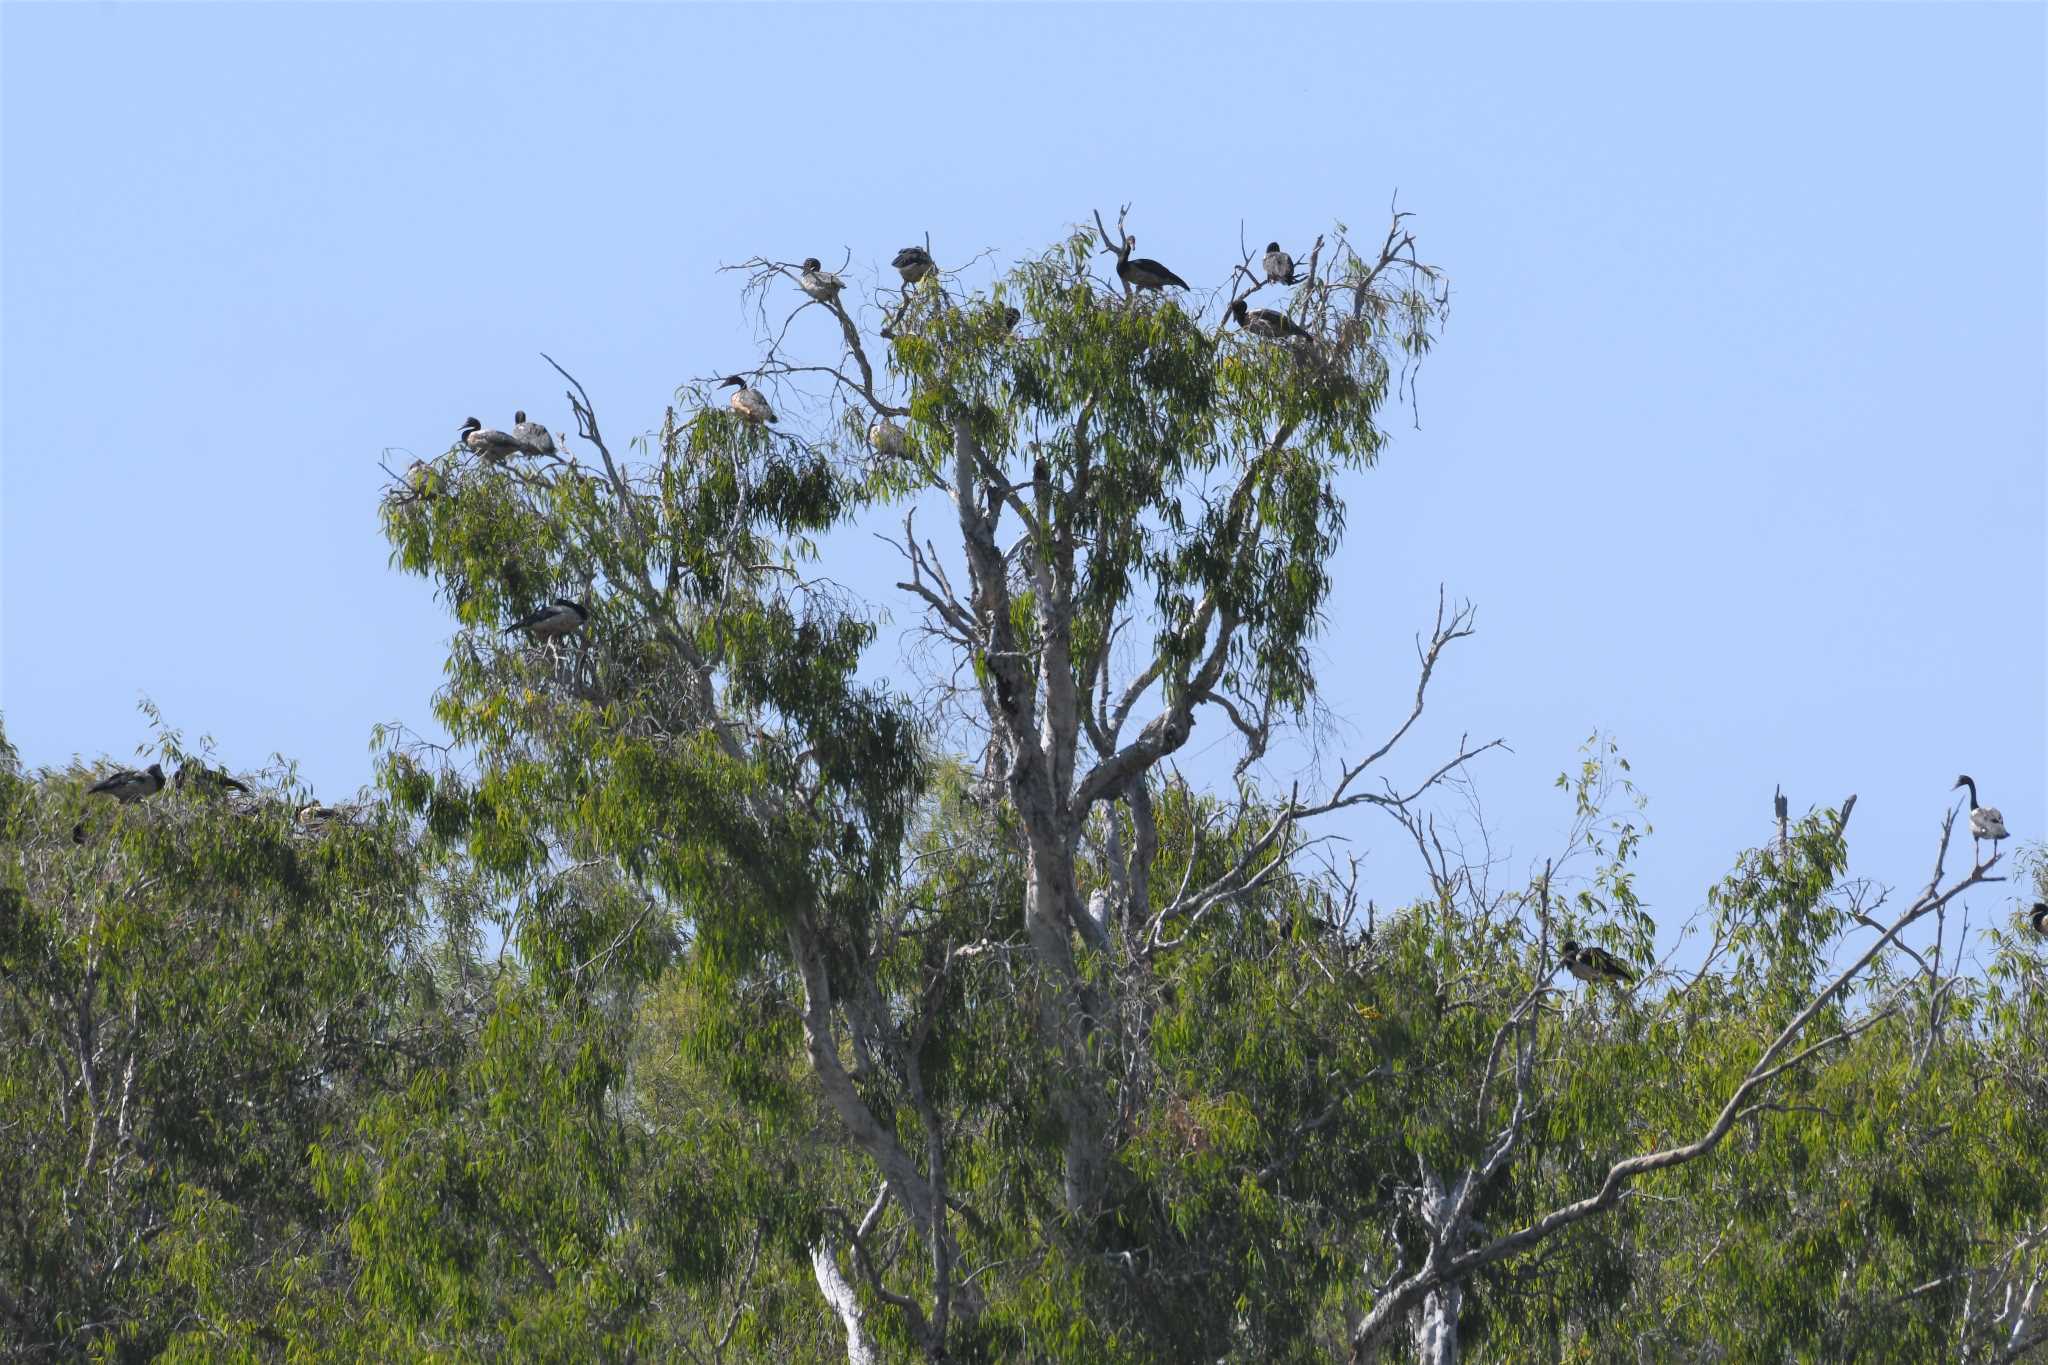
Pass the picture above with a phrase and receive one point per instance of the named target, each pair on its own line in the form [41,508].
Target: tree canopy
[704,996]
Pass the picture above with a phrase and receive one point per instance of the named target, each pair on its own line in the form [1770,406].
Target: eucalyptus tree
[192,992]
[1142,504]
[973,1010]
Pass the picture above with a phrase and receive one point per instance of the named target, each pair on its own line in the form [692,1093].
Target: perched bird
[913,263]
[204,779]
[1593,964]
[822,285]
[1011,317]
[1266,322]
[886,437]
[1142,272]
[124,786]
[1280,265]
[532,437]
[553,621]
[1985,821]
[2039,918]
[130,785]
[488,442]
[749,402]
[315,817]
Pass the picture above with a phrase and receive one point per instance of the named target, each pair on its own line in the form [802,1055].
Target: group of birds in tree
[525,438]
[1987,823]
[130,785]
[563,617]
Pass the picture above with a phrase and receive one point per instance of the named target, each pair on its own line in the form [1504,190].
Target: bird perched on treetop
[1985,821]
[2039,918]
[1280,265]
[1266,322]
[204,779]
[822,285]
[129,784]
[913,263]
[1011,317]
[553,621]
[1589,963]
[749,402]
[124,786]
[1142,272]
[488,442]
[532,437]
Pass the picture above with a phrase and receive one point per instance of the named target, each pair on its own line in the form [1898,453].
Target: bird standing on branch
[1589,963]
[1279,266]
[1142,272]
[558,618]
[820,284]
[489,442]
[749,402]
[129,784]
[1985,821]
[532,437]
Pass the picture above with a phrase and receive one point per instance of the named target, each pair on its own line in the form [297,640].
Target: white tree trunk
[1436,1321]
[860,1348]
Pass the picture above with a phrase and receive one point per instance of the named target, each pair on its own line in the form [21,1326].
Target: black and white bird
[749,402]
[1279,265]
[1142,272]
[886,437]
[913,263]
[532,437]
[560,617]
[488,442]
[1985,821]
[130,784]
[819,283]
[2038,917]
[1267,322]
[1011,317]
[1590,963]
[124,786]
[211,781]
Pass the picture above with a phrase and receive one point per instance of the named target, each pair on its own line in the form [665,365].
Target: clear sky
[1736,436]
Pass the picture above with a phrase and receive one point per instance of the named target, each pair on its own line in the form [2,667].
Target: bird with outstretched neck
[1142,272]
[1985,821]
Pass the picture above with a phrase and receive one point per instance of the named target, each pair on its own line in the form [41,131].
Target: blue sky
[1736,436]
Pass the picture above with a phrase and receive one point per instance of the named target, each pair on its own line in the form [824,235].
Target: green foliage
[699,957]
